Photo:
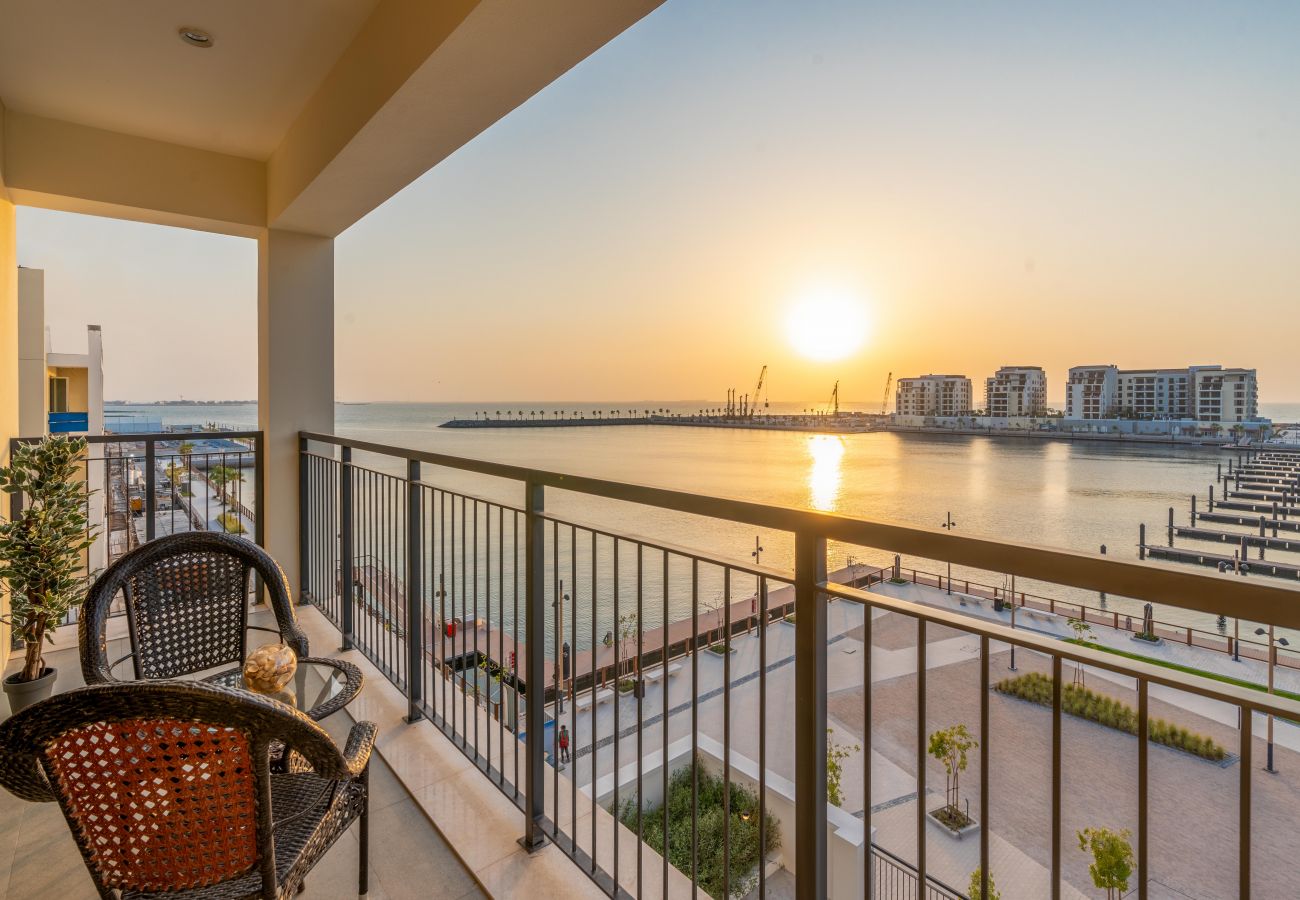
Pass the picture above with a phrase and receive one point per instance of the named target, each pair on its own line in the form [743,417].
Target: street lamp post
[1273,644]
[558,605]
[949,525]
[1013,622]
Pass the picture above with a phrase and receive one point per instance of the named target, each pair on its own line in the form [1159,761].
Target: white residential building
[1016,391]
[933,395]
[1091,392]
[1203,393]
[1224,395]
[58,393]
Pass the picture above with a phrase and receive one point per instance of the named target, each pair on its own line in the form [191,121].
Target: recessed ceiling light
[196,37]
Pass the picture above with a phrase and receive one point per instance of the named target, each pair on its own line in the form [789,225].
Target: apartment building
[58,393]
[1203,393]
[1016,391]
[933,395]
[1223,395]
[1091,392]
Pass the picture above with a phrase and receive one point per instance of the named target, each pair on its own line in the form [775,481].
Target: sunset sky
[981,184]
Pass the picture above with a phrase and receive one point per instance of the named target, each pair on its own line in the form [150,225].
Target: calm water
[1072,495]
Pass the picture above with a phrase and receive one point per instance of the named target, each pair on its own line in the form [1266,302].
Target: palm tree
[221,477]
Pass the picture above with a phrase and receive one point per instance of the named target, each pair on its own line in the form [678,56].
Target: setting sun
[827,324]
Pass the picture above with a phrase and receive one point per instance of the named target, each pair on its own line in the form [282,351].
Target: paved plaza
[1193,802]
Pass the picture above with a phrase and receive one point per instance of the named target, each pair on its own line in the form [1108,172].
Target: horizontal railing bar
[179,437]
[1218,594]
[1122,665]
[785,576]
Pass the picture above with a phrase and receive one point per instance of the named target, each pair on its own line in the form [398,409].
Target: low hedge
[1086,704]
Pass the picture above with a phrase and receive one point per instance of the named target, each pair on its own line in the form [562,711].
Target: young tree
[1082,633]
[1112,859]
[835,756]
[974,891]
[950,746]
[627,627]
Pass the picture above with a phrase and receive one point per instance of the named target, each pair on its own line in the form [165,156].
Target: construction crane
[884,404]
[835,400]
[757,391]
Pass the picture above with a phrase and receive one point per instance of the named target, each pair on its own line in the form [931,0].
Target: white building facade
[1202,393]
[933,395]
[58,393]
[1016,391]
[1091,392]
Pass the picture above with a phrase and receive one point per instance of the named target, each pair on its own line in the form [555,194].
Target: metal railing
[502,621]
[142,486]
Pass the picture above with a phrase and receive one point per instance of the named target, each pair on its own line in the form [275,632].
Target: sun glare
[827,324]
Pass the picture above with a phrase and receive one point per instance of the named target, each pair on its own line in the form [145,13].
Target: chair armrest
[361,743]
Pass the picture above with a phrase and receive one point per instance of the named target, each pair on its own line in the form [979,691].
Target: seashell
[269,668]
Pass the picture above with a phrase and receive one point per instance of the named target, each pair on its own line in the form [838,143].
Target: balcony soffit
[121,66]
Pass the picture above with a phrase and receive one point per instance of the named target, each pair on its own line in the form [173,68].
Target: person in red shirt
[564,744]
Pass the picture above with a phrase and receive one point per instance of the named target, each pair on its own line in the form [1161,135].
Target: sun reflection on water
[827,452]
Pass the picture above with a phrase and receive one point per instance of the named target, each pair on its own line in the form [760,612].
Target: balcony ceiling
[303,115]
[120,65]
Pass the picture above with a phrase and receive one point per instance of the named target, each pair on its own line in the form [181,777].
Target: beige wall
[295,370]
[78,389]
[8,348]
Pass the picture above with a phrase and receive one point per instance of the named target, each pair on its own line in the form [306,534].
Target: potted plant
[41,549]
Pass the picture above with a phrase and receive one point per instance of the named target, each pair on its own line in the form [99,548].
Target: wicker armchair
[168,791]
[186,598]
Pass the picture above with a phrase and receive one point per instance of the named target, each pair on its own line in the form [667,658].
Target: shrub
[1077,700]
[711,864]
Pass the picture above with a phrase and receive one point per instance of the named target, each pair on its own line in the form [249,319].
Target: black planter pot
[23,694]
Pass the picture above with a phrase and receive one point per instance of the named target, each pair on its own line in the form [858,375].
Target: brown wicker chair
[186,598]
[168,790]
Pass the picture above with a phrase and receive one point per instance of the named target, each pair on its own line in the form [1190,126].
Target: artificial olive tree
[42,546]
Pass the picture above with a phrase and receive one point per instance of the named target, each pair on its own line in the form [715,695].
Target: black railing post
[259,486]
[304,516]
[534,665]
[345,546]
[810,716]
[259,507]
[150,502]
[414,594]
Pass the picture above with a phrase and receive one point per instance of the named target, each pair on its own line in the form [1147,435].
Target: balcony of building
[667,662]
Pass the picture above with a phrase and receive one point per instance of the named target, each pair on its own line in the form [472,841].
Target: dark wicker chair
[168,790]
[186,598]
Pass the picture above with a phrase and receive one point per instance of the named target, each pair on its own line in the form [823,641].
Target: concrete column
[33,386]
[295,371]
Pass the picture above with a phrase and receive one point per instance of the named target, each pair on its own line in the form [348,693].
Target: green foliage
[711,862]
[222,477]
[1077,700]
[231,523]
[974,892]
[950,746]
[41,549]
[1112,858]
[835,756]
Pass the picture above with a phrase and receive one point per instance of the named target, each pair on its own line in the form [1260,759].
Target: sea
[1077,495]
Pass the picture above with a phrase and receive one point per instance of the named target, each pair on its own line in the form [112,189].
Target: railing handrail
[156,436]
[1217,594]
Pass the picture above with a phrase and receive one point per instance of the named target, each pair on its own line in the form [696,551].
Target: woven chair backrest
[188,612]
[159,804]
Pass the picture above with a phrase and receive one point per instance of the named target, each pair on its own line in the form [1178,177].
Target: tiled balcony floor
[409,858]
